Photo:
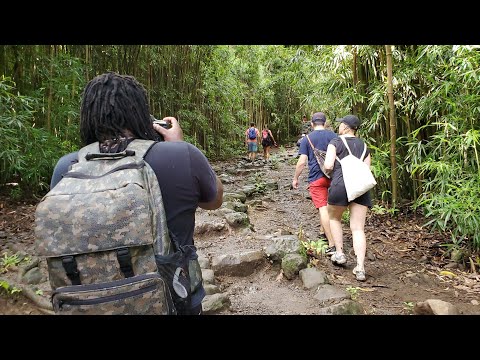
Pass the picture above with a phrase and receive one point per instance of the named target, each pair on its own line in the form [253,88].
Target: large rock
[237,206]
[282,245]
[204,262]
[331,293]
[206,227]
[248,190]
[215,303]
[226,179]
[292,264]
[345,307]
[33,276]
[435,307]
[211,289]
[237,219]
[234,196]
[239,264]
[312,277]
[208,276]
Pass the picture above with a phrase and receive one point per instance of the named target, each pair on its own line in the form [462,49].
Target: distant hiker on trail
[267,142]
[337,195]
[306,128]
[252,136]
[318,182]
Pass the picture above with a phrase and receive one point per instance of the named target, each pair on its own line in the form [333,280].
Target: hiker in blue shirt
[252,136]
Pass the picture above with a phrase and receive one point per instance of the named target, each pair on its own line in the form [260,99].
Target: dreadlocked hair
[115,107]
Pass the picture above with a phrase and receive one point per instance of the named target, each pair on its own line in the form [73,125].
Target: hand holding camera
[169,128]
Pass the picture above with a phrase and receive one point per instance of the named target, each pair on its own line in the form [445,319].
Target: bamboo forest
[419,107]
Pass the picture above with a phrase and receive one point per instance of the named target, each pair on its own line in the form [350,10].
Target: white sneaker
[339,259]
[359,274]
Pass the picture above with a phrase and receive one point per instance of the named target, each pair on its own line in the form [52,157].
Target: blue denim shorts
[252,146]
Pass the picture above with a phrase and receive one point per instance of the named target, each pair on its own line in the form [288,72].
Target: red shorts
[319,191]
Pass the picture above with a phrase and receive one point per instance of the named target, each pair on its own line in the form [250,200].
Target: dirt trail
[404,265]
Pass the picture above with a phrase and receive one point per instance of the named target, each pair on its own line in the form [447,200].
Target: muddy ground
[405,263]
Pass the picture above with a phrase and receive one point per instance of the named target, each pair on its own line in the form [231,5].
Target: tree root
[41,303]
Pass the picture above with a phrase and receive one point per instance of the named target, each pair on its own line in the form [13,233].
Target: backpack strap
[346,145]
[125,261]
[70,265]
[310,141]
[139,147]
[364,151]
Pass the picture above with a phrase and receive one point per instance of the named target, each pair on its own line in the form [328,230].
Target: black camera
[162,123]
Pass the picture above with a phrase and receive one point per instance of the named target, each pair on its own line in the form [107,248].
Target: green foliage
[408,307]
[8,261]
[353,292]
[8,289]
[381,210]
[28,154]
[317,247]
[454,208]
[215,91]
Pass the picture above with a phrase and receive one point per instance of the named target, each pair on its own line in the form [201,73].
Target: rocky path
[253,262]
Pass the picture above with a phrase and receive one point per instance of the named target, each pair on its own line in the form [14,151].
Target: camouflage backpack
[103,232]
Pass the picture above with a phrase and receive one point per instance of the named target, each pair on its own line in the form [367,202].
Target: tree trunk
[355,77]
[50,91]
[87,61]
[2,60]
[393,134]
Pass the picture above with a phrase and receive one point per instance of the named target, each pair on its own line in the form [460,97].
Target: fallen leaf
[363,289]
[447,273]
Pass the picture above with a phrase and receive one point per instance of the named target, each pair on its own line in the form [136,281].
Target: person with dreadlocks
[114,111]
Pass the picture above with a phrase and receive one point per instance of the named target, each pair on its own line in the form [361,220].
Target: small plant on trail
[353,292]
[8,289]
[455,250]
[8,261]
[408,306]
[274,162]
[315,247]
[346,217]
[382,210]
[378,210]
[16,193]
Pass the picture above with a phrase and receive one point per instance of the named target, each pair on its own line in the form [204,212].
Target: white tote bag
[357,176]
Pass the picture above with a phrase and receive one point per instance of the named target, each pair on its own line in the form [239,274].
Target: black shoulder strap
[70,265]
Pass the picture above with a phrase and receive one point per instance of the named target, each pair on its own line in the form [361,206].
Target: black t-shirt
[356,146]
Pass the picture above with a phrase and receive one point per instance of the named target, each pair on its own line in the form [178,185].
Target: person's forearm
[298,170]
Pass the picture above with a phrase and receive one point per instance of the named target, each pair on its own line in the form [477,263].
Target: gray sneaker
[359,274]
[339,259]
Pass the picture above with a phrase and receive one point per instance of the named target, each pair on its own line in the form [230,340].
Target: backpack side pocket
[137,295]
